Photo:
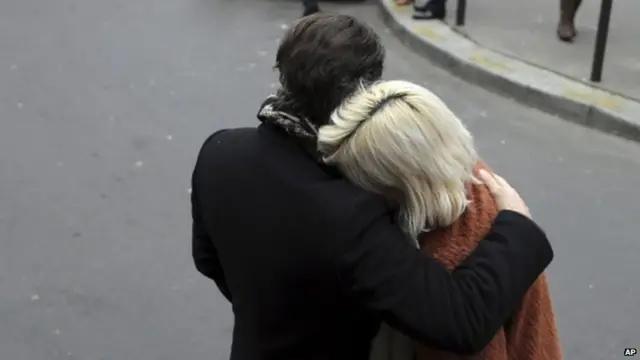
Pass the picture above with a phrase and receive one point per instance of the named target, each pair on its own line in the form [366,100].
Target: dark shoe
[566,32]
[566,27]
[310,11]
[430,11]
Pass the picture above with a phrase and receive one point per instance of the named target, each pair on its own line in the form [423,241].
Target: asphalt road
[103,106]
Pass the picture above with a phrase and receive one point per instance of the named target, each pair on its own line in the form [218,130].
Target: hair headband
[385,101]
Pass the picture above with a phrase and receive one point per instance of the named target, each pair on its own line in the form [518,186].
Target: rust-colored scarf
[531,334]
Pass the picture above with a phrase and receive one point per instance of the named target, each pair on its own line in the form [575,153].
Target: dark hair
[323,59]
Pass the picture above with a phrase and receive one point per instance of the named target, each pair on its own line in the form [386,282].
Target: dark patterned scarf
[275,111]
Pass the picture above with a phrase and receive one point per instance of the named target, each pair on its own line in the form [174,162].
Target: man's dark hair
[323,59]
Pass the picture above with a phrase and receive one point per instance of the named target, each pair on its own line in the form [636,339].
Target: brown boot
[566,28]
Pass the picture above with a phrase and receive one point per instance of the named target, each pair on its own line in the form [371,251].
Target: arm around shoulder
[457,311]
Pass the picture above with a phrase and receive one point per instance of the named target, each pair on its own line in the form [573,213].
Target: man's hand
[506,197]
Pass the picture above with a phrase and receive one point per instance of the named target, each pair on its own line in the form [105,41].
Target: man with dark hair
[318,71]
[313,264]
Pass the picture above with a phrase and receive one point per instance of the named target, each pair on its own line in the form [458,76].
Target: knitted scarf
[531,333]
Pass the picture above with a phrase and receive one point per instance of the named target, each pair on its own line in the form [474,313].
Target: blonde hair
[398,136]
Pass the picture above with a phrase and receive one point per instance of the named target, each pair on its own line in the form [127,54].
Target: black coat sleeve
[205,255]
[204,252]
[458,311]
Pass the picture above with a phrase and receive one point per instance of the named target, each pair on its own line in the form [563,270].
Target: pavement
[529,33]
[510,48]
[104,106]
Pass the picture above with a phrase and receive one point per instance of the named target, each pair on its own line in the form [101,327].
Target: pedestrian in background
[310,7]
[403,2]
[430,10]
[566,26]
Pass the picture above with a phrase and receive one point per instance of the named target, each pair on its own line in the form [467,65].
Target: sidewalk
[526,29]
[511,48]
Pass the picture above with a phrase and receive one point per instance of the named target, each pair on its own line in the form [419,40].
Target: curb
[548,91]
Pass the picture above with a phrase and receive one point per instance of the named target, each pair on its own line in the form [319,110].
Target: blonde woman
[398,139]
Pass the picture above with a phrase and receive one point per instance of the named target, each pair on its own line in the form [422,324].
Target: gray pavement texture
[526,29]
[104,106]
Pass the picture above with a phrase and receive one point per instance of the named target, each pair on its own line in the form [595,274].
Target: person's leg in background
[310,7]
[566,27]
[430,10]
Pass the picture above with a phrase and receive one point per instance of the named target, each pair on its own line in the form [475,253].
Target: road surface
[104,105]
